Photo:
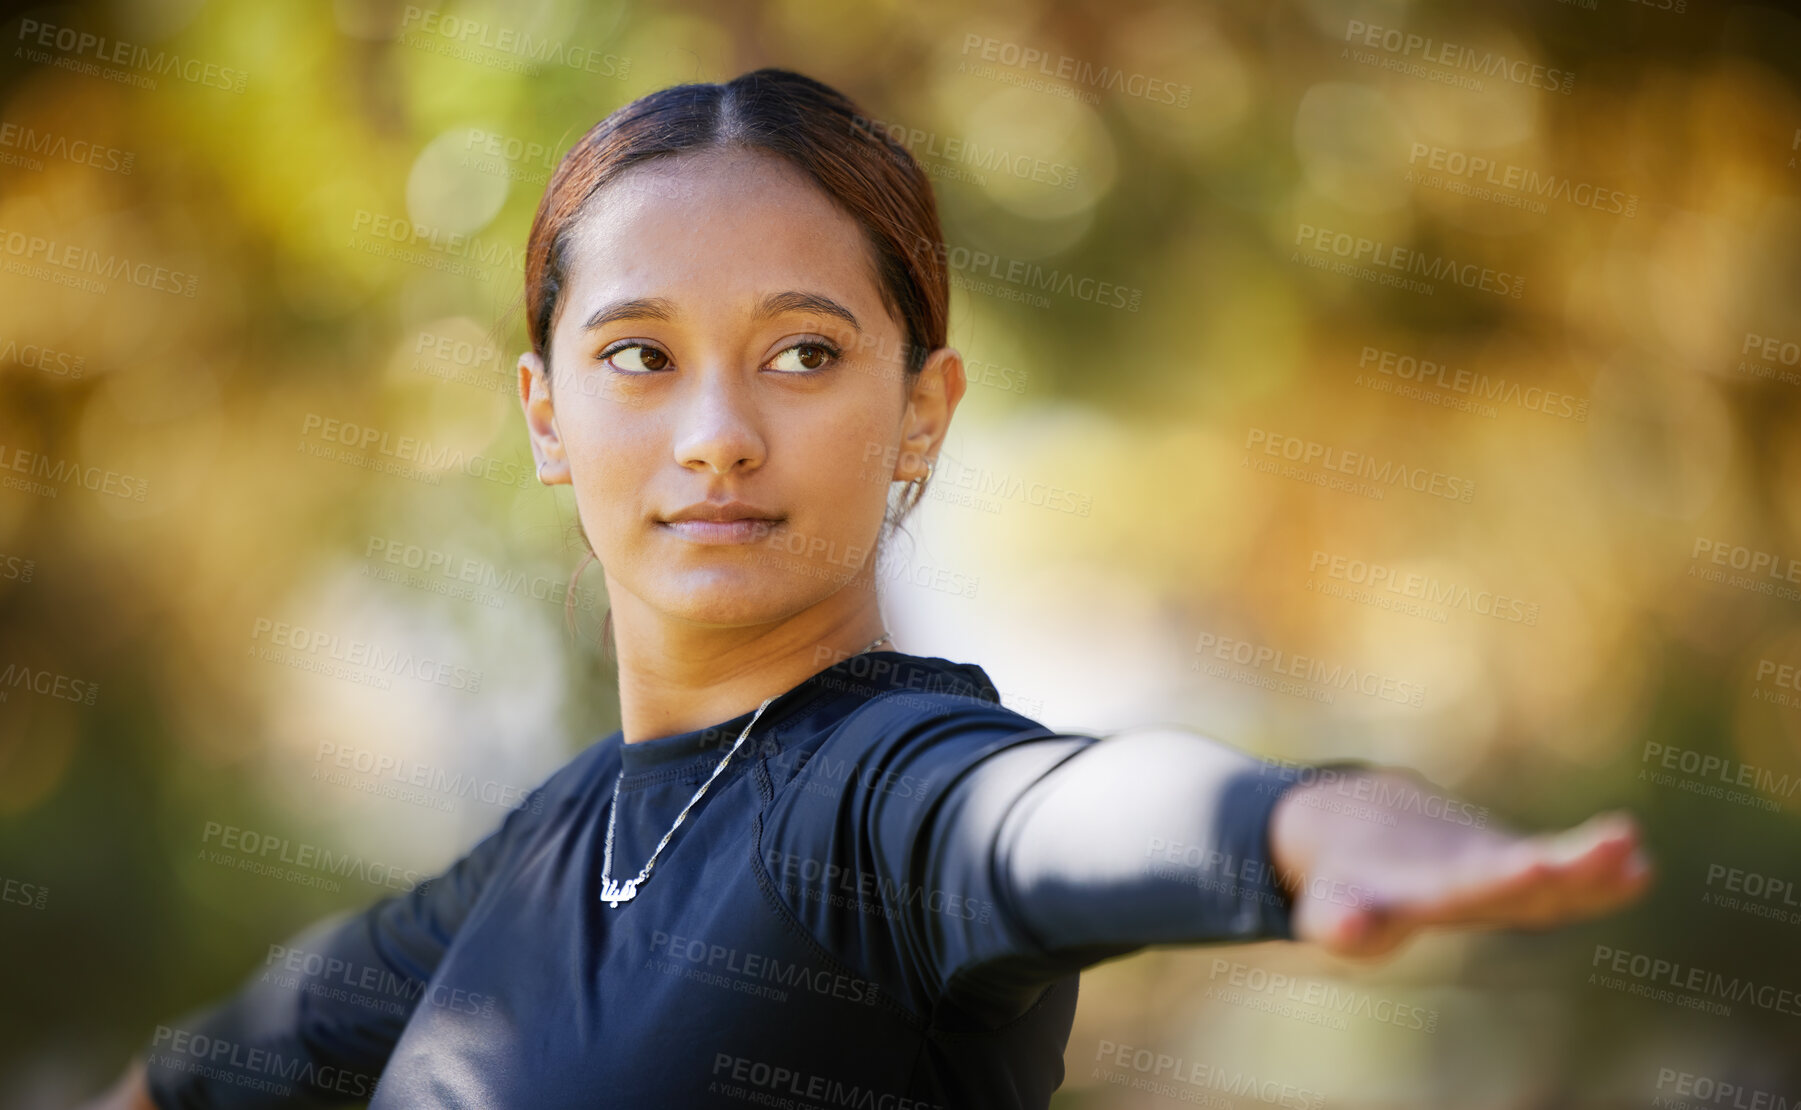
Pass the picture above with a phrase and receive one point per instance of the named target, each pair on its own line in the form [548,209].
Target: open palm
[1365,881]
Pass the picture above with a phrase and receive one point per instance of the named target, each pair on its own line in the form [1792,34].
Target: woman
[809,869]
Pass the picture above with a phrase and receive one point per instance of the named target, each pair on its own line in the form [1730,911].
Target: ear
[931,400]
[541,421]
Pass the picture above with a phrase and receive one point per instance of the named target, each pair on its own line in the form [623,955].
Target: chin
[737,595]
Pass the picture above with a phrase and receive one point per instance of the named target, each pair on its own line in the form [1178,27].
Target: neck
[676,676]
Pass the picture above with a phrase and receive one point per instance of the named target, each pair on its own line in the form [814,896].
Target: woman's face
[721,350]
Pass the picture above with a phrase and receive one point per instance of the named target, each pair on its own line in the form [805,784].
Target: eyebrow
[661,308]
[777,303]
[638,308]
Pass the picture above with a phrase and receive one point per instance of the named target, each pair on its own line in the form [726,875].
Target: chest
[701,990]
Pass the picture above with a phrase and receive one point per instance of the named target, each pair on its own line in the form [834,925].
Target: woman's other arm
[131,1092]
[320,1016]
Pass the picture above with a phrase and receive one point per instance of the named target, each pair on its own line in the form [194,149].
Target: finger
[1595,867]
[1590,869]
[1532,882]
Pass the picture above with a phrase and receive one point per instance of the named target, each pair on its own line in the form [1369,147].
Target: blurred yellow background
[1403,381]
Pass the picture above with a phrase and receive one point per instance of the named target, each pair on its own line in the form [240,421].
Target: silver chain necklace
[613,893]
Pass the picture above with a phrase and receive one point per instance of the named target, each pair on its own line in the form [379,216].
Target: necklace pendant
[613,892]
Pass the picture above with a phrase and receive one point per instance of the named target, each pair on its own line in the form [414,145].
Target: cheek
[612,463]
[848,461]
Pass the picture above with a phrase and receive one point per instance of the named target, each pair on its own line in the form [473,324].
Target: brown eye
[637,359]
[803,357]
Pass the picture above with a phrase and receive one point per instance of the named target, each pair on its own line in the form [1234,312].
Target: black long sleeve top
[883,901]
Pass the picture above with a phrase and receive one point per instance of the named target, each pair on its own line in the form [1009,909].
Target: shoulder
[921,722]
[908,724]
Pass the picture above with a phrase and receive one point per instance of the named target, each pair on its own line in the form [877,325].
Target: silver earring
[921,482]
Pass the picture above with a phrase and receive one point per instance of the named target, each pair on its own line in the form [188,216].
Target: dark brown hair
[814,127]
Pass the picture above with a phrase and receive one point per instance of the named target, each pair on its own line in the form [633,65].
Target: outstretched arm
[1002,855]
[1092,848]
[1363,857]
[1352,857]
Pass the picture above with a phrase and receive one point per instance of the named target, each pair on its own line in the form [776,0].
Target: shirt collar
[861,676]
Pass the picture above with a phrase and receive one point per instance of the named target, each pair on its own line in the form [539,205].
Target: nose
[716,424]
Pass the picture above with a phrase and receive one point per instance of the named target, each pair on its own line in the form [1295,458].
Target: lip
[721,522]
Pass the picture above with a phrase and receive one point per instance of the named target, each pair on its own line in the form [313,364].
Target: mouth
[739,531]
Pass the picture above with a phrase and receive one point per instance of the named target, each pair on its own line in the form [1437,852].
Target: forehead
[717,226]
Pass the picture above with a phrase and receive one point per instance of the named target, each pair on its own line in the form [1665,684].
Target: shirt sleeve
[1023,855]
[315,1024]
